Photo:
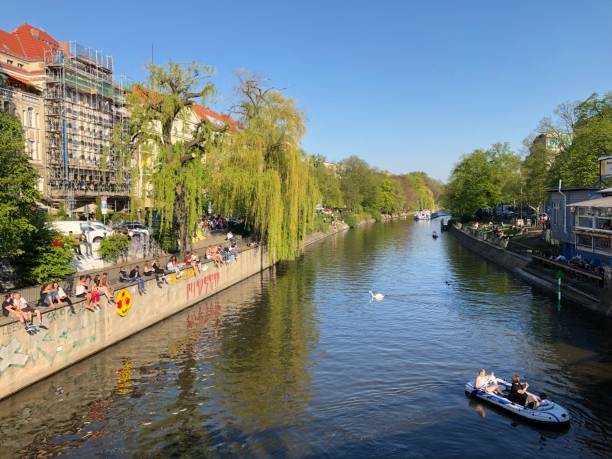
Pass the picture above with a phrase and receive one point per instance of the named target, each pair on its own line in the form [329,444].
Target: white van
[95,231]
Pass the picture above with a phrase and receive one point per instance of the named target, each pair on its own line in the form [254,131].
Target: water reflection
[297,362]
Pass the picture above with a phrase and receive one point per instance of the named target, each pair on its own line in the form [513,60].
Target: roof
[599,202]
[205,113]
[21,80]
[27,42]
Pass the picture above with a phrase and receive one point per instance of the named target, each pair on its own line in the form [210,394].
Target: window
[30,121]
[584,241]
[30,147]
[602,244]
[8,61]
[20,65]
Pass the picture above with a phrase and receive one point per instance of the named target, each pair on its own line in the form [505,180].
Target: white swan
[377,296]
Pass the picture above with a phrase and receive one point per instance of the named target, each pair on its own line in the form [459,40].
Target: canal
[297,362]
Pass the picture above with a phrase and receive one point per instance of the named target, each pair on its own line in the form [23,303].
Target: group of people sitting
[91,290]
[578,262]
[518,390]
[17,305]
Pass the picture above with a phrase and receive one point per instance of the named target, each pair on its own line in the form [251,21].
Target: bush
[113,246]
[47,255]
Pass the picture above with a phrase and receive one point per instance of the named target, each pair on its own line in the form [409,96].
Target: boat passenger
[520,396]
[483,382]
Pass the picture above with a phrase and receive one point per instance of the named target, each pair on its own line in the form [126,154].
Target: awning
[598,203]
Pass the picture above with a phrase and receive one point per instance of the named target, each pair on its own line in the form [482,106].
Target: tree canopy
[170,144]
[18,193]
[262,174]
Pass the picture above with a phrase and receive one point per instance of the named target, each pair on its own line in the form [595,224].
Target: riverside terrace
[73,336]
[32,294]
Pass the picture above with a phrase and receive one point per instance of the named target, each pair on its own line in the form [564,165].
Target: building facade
[581,223]
[71,108]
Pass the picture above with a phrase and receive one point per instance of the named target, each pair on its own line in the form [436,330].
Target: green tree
[419,195]
[577,165]
[390,198]
[359,184]
[328,182]
[262,174]
[161,124]
[18,193]
[113,247]
[471,185]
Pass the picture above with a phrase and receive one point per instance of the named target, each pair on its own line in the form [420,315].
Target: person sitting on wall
[105,287]
[160,274]
[61,294]
[135,277]
[81,291]
[8,307]
[21,305]
[48,294]
[173,266]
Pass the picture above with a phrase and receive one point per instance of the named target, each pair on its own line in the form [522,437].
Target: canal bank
[297,362]
[74,333]
[519,265]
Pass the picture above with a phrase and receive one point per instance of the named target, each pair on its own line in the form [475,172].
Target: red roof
[27,42]
[206,113]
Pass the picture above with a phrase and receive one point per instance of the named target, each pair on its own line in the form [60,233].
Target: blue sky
[406,85]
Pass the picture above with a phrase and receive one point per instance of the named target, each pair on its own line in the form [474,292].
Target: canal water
[297,362]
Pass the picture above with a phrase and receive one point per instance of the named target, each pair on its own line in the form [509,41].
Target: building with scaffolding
[83,115]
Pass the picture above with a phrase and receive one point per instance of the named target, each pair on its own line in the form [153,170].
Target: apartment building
[70,106]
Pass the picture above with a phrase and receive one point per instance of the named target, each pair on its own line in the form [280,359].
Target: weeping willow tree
[262,174]
[168,144]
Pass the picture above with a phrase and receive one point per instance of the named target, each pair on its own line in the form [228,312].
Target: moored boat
[548,412]
[424,214]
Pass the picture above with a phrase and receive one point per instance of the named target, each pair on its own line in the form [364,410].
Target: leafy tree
[577,165]
[18,193]
[164,135]
[328,182]
[262,174]
[419,195]
[390,198]
[359,184]
[113,247]
[471,185]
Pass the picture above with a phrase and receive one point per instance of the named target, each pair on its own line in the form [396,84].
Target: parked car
[133,228]
[95,231]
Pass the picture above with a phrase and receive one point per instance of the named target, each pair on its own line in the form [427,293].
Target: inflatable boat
[548,412]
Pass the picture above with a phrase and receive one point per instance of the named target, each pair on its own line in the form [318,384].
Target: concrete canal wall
[518,265]
[74,334]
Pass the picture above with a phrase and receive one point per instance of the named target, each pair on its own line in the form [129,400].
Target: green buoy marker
[559,277]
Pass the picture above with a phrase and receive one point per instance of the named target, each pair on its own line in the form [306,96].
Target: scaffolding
[83,107]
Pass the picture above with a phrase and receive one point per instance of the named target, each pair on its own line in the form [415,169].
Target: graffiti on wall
[199,287]
[123,300]
[11,357]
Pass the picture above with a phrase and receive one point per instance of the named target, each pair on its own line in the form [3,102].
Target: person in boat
[520,396]
[486,382]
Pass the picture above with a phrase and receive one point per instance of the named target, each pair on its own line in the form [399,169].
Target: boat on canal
[548,413]
[423,214]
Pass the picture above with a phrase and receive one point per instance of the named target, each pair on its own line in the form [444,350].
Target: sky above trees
[403,85]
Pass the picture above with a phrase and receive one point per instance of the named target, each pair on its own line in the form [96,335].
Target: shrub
[113,246]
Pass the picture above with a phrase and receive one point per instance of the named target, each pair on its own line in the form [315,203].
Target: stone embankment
[74,333]
[519,265]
